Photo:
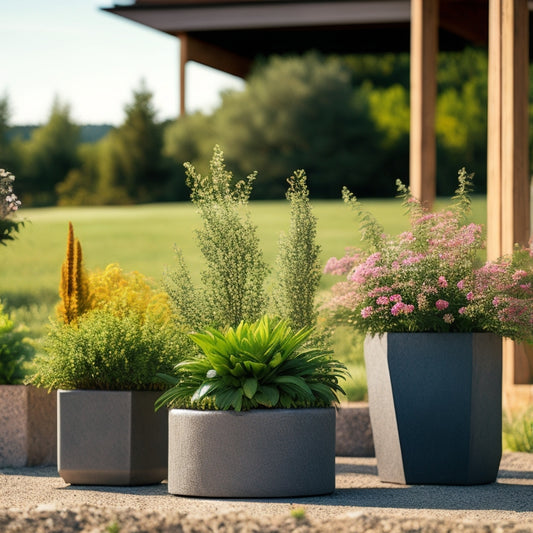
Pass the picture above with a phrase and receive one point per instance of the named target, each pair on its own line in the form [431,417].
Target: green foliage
[46,159]
[108,352]
[298,112]
[141,142]
[15,350]
[298,265]
[232,284]
[348,346]
[189,138]
[262,364]
[126,166]
[294,112]
[518,431]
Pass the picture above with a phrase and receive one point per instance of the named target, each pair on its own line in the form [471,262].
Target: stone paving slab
[358,489]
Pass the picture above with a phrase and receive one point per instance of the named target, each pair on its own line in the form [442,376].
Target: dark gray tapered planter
[435,406]
[254,454]
[111,438]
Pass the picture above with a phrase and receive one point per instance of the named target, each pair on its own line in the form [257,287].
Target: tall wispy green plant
[298,264]
[233,282]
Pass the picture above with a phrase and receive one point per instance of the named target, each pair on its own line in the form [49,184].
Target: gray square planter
[28,428]
[435,406]
[261,453]
[111,438]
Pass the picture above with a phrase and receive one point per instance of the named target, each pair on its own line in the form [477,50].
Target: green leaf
[267,396]
[203,391]
[296,384]
[250,387]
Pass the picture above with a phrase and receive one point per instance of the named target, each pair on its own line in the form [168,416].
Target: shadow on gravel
[494,497]
[350,468]
[159,489]
[515,474]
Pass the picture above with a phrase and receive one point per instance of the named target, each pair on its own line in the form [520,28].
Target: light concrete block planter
[436,406]
[354,431]
[111,438]
[261,453]
[28,434]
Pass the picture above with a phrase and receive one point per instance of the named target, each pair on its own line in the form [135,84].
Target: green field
[143,237]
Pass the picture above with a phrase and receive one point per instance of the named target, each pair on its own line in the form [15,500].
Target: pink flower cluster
[428,278]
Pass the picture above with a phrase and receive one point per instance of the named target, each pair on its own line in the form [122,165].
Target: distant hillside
[89,133]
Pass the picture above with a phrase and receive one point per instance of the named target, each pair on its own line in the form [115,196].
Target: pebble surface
[37,500]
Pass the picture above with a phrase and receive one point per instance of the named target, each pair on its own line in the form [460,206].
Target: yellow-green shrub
[125,293]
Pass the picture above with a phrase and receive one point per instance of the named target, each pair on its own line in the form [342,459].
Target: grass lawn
[143,237]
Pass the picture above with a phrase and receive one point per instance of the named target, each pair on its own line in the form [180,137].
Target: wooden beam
[424,51]
[192,49]
[466,19]
[214,56]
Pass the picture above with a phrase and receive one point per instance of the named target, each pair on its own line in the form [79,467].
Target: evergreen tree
[49,155]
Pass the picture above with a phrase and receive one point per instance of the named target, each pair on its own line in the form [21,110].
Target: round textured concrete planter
[111,438]
[435,406]
[254,454]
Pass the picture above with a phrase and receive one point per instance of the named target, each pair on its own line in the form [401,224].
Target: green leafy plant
[518,431]
[15,350]
[107,352]
[9,204]
[430,278]
[263,364]
[119,339]
[298,265]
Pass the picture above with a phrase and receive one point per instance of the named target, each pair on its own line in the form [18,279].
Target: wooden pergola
[229,35]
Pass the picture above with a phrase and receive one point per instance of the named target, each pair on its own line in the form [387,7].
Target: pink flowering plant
[431,278]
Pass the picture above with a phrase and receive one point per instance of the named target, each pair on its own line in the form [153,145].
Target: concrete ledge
[354,433]
[28,426]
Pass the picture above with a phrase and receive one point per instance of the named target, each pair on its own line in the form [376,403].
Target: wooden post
[424,52]
[494,128]
[184,57]
[508,192]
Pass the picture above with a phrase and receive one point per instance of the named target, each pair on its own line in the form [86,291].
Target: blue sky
[93,61]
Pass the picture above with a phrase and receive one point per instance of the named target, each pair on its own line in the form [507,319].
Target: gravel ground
[38,500]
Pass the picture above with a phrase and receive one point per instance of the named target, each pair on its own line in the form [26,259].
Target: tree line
[343,119]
